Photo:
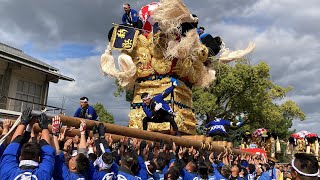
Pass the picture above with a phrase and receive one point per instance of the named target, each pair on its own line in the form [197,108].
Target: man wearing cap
[85,110]
[157,109]
[304,166]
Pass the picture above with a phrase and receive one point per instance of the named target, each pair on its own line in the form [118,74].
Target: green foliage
[248,89]
[120,91]
[103,114]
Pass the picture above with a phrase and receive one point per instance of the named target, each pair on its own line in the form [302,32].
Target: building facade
[24,81]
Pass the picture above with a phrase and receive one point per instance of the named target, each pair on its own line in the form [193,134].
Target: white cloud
[89,82]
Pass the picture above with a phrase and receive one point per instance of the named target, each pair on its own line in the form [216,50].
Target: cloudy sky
[71,35]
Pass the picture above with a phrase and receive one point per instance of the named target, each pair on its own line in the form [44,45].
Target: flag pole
[115,24]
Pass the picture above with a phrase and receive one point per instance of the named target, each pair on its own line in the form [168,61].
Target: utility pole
[62,105]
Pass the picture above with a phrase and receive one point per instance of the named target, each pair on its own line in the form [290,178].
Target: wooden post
[137,133]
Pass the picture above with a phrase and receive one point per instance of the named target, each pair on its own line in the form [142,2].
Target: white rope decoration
[11,129]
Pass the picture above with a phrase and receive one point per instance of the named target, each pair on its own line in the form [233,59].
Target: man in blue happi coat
[86,111]
[131,17]
[78,165]
[218,126]
[157,109]
[36,161]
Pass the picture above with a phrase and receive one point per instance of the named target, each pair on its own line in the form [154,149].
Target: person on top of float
[131,17]
[217,126]
[157,109]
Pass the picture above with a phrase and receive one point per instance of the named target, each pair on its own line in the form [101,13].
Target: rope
[16,123]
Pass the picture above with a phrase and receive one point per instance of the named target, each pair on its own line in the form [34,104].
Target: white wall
[29,75]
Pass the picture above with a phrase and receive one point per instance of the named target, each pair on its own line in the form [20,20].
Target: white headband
[99,162]
[302,173]
[74,153]
[85,100]
[147,97]
[28,163]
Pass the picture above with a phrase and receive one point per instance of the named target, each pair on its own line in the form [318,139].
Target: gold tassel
[273,148]
[278,147]
[317,148]
[288,149]
[242,146]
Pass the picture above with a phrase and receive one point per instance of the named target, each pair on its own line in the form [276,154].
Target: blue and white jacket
[89,114]
[130,18]
[150,112]
[9,166]
[62,172]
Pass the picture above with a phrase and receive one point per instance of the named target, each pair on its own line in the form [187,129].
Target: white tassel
[308,149]
[278,147]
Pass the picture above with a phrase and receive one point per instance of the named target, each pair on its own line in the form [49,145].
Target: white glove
[175,83]
[158,106]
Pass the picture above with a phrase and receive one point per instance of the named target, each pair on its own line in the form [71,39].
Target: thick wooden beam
[138,133]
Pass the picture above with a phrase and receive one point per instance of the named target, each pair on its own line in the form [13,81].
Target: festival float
[303,141]
[261,142]
[168,46]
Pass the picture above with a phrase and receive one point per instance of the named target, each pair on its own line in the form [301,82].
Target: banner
[124,38]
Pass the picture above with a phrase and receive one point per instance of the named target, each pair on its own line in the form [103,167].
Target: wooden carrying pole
[139,134]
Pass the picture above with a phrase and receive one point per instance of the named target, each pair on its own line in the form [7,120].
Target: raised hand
[76,139]
[83,127]
[110,140]
[26,116]
[211,158]
[101,130]
[67,145]
[56,126]
[90,142]
[62,135]
[7,124]
[43,121]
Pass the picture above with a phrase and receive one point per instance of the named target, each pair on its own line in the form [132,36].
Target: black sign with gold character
[124,38]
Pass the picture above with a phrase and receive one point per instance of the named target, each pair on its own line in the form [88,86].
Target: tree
[120,90]
[103,114]
[243,88]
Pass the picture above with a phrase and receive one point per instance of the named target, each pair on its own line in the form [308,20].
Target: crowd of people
[29,154]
